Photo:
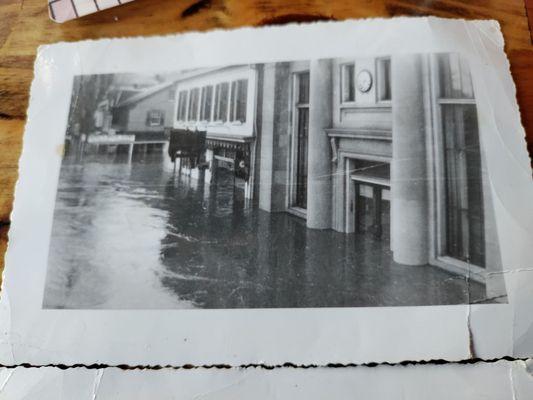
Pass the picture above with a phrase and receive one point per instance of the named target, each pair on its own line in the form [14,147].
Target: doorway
[371,180]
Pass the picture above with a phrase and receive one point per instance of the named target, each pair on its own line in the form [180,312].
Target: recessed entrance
[371,180]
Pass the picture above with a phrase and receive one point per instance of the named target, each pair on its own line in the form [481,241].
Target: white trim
[342,81]
[462,268]
[449,100]
[344,158]
[298,212]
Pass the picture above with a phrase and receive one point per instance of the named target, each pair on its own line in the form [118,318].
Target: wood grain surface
[24,25]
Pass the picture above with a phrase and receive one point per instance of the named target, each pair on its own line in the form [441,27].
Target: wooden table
[24,24]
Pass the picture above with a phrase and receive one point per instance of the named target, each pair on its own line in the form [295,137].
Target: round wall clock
[364,81]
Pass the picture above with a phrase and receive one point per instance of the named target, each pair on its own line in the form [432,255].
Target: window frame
[172,93]
[160,120]
[234,101]
[380,80]
[296,106]
[203,104]
[185,104]
[217,119]
[194,96]
[438,251]
[342,80]
[217,102]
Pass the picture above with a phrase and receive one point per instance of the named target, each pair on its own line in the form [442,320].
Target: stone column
[267,137]
[409,173]
[319,202]
[275,131]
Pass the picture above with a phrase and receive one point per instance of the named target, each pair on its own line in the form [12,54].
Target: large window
[301,138]
[193,104]
[206,103]
[239,92]
[182,106]
[464,221]
[221,101]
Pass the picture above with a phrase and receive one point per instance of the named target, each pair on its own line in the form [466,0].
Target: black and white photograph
[335,182]
[354,192]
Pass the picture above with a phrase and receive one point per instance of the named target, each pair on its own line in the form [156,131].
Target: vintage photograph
[346,182]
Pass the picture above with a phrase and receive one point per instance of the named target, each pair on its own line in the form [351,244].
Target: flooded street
[140,237]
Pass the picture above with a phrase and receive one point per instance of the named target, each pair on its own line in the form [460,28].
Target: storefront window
[464,208]
[172,94]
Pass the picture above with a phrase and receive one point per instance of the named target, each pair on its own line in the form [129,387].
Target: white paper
[133,334]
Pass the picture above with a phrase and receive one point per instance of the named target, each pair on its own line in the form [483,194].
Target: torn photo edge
[501,380]
[311,336]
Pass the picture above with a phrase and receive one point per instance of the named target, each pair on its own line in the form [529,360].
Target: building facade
[222,105]
[383,147]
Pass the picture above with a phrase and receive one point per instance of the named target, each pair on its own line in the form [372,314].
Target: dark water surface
[137,237]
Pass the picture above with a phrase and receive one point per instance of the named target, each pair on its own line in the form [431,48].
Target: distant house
[145,113]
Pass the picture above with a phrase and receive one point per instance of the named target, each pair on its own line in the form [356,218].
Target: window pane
[464,192]
[454,77]
[370,168]
[182,105]
[205,103]
[217,101]
[172,94]
[222,102]
[202,104]
[208,103]
[193,106]
[301,157]
[348,82]
[233,100]
[242,94]
[384,79]
[155,118]
[303,88]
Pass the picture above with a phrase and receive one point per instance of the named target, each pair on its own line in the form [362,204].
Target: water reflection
[137,236]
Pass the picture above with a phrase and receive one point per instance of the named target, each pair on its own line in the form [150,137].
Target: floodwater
[138,236]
